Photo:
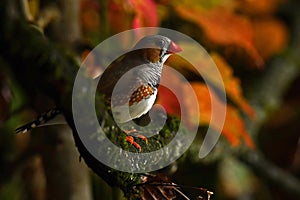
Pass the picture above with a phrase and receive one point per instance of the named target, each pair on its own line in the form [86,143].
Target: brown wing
[114,74]
[110,76]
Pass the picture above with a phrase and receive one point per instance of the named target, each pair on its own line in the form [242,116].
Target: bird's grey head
[162,44]
[155,49]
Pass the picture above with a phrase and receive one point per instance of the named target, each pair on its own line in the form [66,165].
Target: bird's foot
[128,132]
[145,139]
[130,139]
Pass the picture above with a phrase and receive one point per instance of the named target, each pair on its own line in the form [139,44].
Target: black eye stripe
[162,53]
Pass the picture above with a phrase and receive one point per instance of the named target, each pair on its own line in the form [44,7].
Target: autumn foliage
[252,44]
[227,29]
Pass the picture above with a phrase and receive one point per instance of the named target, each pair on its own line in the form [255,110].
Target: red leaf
[233,128]
[129,14]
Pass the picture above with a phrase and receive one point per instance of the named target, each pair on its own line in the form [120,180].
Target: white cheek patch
[165,58]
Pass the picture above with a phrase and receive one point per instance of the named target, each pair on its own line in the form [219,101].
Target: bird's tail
[51,117]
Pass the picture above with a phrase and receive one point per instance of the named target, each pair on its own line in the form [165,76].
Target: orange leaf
[233,128]
[260,7]
[224,28]
[89,16]
[204,67]
[204,101]
[232,85]
[267,45]
[169,98]
[207,70]
[120,15]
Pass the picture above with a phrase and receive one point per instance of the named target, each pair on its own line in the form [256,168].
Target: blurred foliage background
[255,45]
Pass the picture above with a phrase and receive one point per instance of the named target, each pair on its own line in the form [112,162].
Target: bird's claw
[130,139]
[130,131]
[145,139]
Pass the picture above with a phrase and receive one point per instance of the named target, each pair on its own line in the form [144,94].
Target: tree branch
[265,94]
[41,68]
[273,174]
[34,61]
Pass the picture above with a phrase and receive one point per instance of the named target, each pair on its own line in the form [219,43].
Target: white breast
[125,113]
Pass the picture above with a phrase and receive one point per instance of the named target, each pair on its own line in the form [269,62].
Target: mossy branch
[40,67]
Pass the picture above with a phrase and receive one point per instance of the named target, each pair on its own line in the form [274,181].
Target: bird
[129,84]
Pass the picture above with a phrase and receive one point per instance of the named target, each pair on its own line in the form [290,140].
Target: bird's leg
[131,131]
[128,132]
[143,138]
[130,139]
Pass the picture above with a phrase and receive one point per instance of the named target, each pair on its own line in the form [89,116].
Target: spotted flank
[143,92]
[124,113]
[39,121]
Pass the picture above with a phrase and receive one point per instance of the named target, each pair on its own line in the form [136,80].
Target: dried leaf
[154,189]
[34,7]
[160,186]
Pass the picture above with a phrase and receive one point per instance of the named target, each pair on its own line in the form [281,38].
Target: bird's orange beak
[174,48]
